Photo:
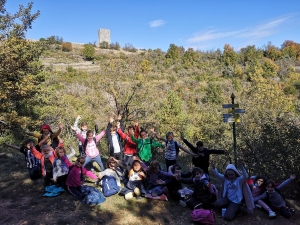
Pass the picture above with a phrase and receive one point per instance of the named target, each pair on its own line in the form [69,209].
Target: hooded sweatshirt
[233,189]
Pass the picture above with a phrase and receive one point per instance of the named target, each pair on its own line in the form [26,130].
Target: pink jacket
[91,147]
[74,177]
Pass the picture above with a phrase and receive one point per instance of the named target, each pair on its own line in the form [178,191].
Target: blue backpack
[93,195]
[109,186]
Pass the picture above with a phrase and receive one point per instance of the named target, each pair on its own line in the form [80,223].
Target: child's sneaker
[182,203]
[129,196]
[163,197]
[258,206]
[272,214]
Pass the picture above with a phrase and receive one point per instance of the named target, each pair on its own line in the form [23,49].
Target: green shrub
[104,45]
[290,90]
[88,51]
[129,48]
[115,46]
[66,46]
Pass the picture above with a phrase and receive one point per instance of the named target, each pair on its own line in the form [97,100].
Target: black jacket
[202,161]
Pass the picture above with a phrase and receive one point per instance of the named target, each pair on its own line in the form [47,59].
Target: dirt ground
[22,203]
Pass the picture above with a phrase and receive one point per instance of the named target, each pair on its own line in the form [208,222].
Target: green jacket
[144,147]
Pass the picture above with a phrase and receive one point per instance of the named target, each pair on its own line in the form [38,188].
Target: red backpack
[203,216]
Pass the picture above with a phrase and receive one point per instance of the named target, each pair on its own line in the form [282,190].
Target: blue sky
[202,25]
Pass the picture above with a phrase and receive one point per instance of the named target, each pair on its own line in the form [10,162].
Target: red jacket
[130,146]
[41,157]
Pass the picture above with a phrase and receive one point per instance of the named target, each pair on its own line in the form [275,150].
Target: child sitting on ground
[175,184]
[201,196]
[33,164]
[257,187]
[232,195]
[60,168]
[46,157]
[76,177]
[158,180]
[110,171]
[136,175]
[275,199]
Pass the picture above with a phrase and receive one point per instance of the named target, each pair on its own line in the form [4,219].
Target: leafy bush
[213,93]
[290,90]
[115,46]
[129,48]
[270,68]
[88,51]
[104,45]
[66,46]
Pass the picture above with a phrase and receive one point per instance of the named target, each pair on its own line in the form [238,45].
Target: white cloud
[157,23]
[260,31]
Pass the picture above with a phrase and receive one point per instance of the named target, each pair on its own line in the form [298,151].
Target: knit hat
[46,126]
[232,167]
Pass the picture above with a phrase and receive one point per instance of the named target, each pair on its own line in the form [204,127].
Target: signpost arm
[234,133]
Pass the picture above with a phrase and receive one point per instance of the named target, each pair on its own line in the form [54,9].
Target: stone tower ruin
[103,35]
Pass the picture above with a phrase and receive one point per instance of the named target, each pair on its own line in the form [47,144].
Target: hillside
[178,90]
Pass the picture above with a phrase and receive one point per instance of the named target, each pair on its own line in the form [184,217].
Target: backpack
[203,216]
[92,196]
[109,186]
[214,193]
[85,144]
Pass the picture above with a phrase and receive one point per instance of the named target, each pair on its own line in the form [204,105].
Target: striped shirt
[30,159]
[171,150]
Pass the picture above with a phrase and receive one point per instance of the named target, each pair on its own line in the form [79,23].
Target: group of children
[130,162]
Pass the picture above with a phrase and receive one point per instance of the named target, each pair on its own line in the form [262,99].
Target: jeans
[231,207]
[127,159]
[35,172]
[170,163]
[96,159]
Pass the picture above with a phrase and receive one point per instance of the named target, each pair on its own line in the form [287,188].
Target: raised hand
[60,126]
[119,117]
[118,124]
[209,184]
[293,176]
[152,130]
[111,119]
[195,155]
[160,182]
[136,123]
[142,174]
[79,117]
[240,163]
[212,164]
[181,136]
